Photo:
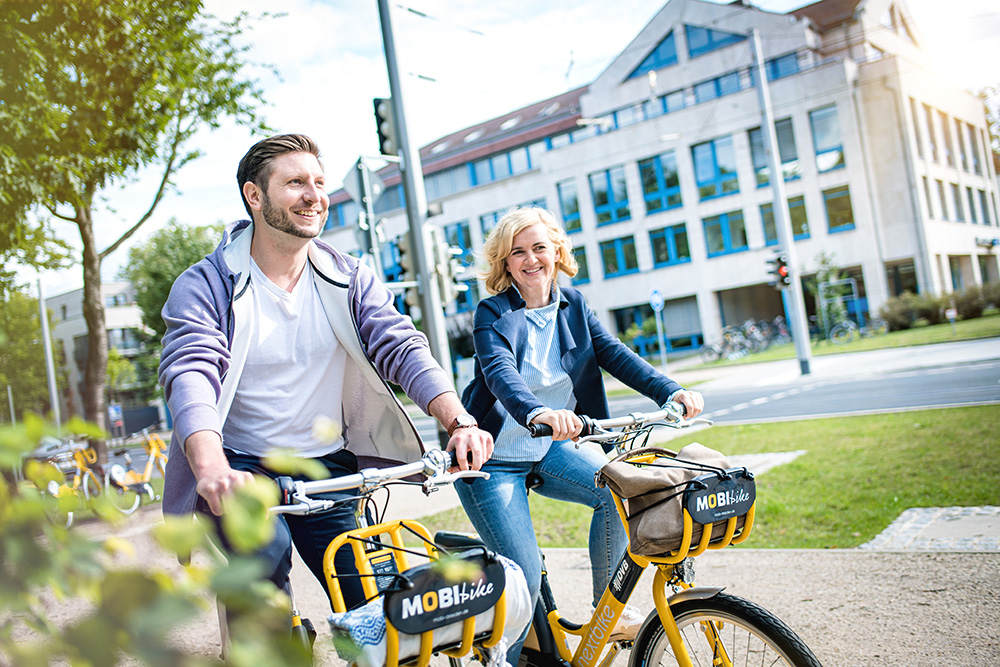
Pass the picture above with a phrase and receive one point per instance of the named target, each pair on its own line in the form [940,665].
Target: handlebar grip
[539,430]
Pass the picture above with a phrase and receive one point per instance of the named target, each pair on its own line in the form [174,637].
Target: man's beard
[281,220]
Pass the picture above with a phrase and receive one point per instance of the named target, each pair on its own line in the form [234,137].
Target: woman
[539,355]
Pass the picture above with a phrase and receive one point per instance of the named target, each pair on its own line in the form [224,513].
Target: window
[972,206]
[610,196]
[931,138]
[786,149]
[796,215]
[974,150]
[583,275]
[569,204]
[670,245]
[960,135]
[826,138]
[956,198]
[916,128]
[661,186]
[985,205]
[930,199]
[392,198]
[702,40]
[619,257]
[673,101]
[725,233]
[713,88]
[343,215]
[488,221]
[839,214]
[664,55]
[949,151]
[447,182]
[782,66]
[519,160]
[944,202]
[715,168]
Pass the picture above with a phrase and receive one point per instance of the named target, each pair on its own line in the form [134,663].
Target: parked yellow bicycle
[67,481]
[126,486]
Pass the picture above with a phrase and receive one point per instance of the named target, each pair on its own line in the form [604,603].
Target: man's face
[295,201]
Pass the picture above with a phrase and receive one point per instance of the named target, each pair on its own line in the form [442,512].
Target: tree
[121,374]
[153,266]
[91,92]
[22,359]
[990,95]
[829,305]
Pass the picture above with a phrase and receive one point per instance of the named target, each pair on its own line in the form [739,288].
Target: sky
[462,62]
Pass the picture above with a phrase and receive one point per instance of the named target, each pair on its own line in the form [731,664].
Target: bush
[991,294]
[969,303]
[900,311]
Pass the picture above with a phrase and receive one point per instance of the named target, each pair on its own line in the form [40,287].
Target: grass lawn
[857,476]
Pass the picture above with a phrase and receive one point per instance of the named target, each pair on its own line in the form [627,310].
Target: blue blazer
[500,333]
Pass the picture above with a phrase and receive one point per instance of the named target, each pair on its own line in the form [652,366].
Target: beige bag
[654,495]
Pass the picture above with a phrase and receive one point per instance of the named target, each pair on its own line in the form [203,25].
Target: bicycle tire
[710,353]
[877,327]
[91,485]
[124,498]
[841,334]
[749,633]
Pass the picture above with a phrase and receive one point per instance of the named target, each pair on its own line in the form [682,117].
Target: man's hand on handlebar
[692,401]
[565,424]
[472,446]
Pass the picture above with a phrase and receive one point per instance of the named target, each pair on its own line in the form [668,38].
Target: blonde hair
[501,238]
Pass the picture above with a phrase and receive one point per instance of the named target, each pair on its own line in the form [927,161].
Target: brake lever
[431,484]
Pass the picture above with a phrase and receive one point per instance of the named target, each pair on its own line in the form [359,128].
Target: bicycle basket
[677,504]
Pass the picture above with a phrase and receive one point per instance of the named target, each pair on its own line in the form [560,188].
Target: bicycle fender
[695,593]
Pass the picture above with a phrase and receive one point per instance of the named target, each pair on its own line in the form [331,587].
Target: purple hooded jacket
[209,316]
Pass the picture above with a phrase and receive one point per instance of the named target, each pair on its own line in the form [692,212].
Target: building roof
[827,14]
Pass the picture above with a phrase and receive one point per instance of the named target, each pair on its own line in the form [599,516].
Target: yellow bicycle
[126,486]
[67,482]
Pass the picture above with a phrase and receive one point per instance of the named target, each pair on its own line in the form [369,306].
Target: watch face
[465,420]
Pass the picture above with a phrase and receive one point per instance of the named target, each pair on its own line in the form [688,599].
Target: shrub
[900,311]
[969,303]
[991,294]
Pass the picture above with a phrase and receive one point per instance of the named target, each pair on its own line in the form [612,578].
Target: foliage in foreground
[132,607]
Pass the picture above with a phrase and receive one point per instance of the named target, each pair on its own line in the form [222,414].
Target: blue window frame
[488,221]
[619,257]
[782,66]
[725,233]
[839,213]
[583,274]
[670,245]
[344,214]
[673,101]
[392,198]
[726,84]
[786,149]
[797,214]
[569,205]
[715,168]
[826,138]
[661,186]
[500,166]
[458,234]
[664,55]
[610,195]
[703,40]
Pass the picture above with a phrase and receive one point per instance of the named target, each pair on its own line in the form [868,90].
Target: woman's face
[532,260]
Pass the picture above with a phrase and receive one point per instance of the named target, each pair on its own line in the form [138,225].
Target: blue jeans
[309,534]
[498,508]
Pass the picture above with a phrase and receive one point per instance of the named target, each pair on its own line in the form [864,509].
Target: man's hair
[255,166]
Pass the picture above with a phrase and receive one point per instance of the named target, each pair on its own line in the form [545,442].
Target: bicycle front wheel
[124,497]
[841,334]
[722,630]
[710,353]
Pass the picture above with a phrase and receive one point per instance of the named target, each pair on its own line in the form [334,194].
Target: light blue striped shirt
[542,371]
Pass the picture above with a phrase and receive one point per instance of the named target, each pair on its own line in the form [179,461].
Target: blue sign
[655,300]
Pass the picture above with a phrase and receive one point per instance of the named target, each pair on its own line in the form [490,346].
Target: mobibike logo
[721,499]
[444,598]
[600,627]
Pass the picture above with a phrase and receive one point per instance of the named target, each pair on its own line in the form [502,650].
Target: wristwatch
[462,421]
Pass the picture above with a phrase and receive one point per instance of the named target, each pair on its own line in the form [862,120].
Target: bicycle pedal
[310,630]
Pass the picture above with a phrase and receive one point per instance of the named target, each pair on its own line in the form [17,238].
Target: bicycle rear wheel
[722,630]
[841,333]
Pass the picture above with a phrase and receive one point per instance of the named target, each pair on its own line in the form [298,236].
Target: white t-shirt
[294,372]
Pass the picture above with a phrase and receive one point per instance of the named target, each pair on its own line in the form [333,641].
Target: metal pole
[50,369]
[416,202]
[658,315]
[786,240]
[10,402]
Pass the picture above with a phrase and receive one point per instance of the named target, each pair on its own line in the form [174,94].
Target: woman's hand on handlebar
[565,424]
[692,401]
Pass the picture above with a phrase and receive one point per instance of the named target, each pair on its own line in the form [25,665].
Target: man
[276,330]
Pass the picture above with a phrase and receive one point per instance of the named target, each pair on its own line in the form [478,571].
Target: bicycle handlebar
[672,414]
[433,465]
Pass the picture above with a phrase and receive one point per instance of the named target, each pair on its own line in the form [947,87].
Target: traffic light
[447,266]
[386,126]
[406,261]
[779,269]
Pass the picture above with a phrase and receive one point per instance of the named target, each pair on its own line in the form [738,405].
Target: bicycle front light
[53,487]
[118,474]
